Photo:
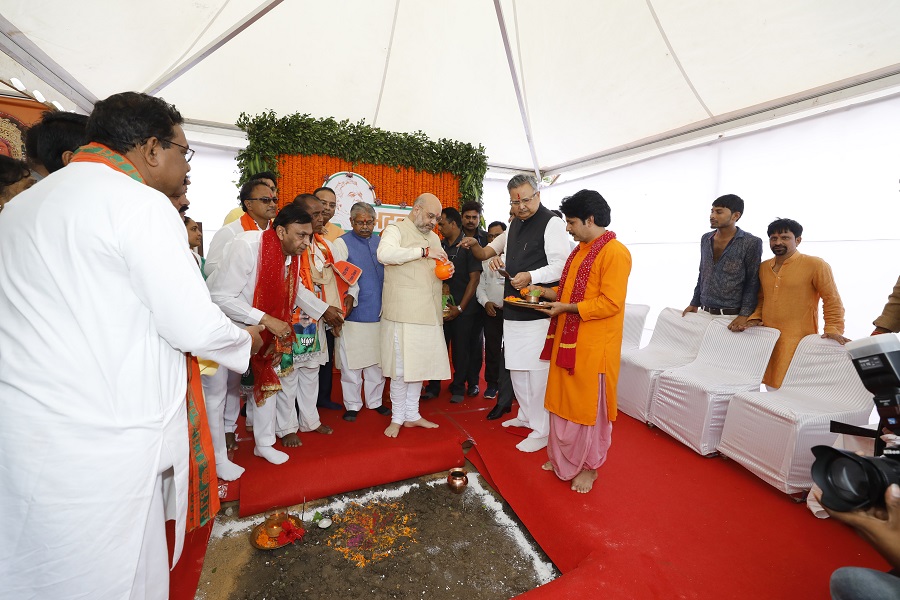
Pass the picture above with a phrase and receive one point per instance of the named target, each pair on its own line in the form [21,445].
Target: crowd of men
[149,342]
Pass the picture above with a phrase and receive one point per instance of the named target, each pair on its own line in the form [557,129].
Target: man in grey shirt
[728,282]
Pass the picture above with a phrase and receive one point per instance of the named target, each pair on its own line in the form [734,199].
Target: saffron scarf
[98,153]
[565,357]
[248,223]
[274,295]
[203,493]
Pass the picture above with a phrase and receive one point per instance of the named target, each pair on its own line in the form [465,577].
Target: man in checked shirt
[728,282]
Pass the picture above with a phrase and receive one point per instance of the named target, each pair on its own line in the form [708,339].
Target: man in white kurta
[222,389]
[232,287]
[535,249]
[412,323]
[100,298]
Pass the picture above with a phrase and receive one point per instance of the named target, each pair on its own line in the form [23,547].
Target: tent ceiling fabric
[596,76]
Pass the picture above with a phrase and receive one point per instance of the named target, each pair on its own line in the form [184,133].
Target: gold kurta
[599,345]
[789,302]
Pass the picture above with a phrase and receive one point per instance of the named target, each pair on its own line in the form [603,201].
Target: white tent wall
[837,174]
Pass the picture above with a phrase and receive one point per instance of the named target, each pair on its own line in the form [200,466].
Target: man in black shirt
[460,318]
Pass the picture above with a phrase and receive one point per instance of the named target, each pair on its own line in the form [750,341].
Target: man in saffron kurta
[584,342]
[790,286]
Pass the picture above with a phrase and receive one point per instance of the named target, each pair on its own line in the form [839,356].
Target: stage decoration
[367,534]
[306,151]
[350,188]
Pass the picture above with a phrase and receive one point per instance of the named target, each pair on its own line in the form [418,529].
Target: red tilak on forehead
[518,196]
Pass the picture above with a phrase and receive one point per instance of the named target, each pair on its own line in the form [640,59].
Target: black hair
[780,225]
[291,213]
[471,205]
[324,189]
[56,133]
[587,203]
[452,214]
[264,175]
[247,190]
[302,199]
[12,171]
[500,224]
[127,120]
[730,201]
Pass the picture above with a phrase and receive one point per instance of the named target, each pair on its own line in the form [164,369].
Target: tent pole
[17,46]
[526,123]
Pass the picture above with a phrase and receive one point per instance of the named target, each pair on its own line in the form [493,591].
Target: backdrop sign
[351,188]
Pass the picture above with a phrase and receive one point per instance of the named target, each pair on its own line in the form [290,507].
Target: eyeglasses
[188,152]
[369,223]
[266,199]
[516,203]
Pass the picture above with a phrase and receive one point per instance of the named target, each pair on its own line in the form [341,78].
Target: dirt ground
[413,539]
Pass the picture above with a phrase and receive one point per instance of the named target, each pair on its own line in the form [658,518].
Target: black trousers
[457,334]
[325,379]
[476,348]
[493,346]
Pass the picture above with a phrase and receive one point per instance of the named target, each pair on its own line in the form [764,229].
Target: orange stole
[248,223]
[203,488]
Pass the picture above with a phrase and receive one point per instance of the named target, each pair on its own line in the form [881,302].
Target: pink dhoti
[573,447]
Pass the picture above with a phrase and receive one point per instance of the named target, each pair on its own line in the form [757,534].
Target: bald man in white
[412,323]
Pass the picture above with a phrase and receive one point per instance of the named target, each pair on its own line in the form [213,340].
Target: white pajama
[404,394]
[528,372]
[355,381]
[278,416]
[217,389]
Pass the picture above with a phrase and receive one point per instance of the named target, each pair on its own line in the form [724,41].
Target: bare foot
[230,441]
[584,481]
[291,440]
[421,423]
[324,429]
[393,430]
[547,466]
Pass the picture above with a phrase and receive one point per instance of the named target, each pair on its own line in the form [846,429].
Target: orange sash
[203,487]
[248,223]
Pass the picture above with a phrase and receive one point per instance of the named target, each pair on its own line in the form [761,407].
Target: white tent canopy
[555,86]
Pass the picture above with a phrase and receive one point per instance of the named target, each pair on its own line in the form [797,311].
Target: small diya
[278,530]
[457,480]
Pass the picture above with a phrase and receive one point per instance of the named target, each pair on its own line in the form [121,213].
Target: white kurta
[100,298]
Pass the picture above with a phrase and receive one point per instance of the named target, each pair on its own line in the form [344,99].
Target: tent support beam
[17,46]
[178,70]
[526,123]
[387,63]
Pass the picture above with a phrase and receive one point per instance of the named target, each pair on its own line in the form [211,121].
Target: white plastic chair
[691,401]
[674,342]
[633,328]
[771,433]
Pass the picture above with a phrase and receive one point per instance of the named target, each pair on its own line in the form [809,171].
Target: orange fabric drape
[301,174]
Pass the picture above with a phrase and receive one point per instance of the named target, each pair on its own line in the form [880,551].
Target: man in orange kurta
[584,342]
[790,286]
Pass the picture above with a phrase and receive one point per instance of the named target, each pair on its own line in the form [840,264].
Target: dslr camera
[848,481]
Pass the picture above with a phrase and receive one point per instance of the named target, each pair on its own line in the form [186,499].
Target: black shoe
[383,410]
[456,398]
[427,396]
[491,393]
[498,411]
[329,405]
[474,390]
[350,415]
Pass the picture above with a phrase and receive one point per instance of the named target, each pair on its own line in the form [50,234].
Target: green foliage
[357,142]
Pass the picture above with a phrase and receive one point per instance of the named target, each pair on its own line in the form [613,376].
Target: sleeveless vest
[525,252]
[361,252]
[412,293]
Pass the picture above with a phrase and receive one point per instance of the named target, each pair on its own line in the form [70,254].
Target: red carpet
[356,456]
[661,522]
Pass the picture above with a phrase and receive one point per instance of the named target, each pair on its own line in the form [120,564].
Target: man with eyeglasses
[268,178]
[535,250]
[461,319]
[412,334]
[222,389]
[330,231]
[359,345]
[96,269]
[490,295]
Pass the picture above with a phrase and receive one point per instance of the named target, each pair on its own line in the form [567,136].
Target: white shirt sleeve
[481,291]
[498,244]
[227,284]
[557,249]
[340,250]
[310,303]
[391,253]
[217,248]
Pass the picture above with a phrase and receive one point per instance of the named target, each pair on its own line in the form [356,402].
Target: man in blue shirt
[728,282]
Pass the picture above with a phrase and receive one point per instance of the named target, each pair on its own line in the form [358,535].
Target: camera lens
[848,479]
